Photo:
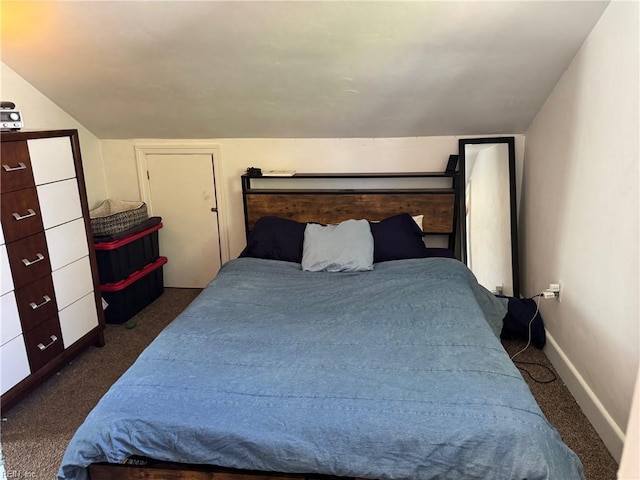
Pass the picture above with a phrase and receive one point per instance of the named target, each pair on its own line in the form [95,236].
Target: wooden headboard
[333,205]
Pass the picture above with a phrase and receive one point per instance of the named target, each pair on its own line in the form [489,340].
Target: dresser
[49,289]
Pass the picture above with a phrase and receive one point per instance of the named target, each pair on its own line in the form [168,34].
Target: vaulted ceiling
[198,69]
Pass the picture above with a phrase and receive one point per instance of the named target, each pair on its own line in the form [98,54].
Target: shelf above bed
[355,175]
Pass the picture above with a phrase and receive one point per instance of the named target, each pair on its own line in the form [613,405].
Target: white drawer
[78,319]
[67,243]
[59,202]
[72,282]
[14,364]
[51,159]
[6,280]
[10,326]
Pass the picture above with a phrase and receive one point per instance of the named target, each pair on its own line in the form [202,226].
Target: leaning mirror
[489,240]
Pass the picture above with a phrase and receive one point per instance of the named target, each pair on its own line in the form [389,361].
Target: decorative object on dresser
[49,289]
[10,117]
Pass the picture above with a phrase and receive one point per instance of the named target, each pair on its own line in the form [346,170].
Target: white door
[182,192]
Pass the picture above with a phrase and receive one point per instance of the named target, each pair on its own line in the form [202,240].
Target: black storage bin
[118,259]
[129,296]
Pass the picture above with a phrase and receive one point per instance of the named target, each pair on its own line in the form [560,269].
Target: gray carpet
[36,431]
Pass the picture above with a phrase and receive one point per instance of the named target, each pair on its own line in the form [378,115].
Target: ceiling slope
[179,69]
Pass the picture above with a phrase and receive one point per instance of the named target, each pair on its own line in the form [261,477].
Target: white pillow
[345,247]
[418,220]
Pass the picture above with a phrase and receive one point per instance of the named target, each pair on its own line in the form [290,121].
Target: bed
[275,371]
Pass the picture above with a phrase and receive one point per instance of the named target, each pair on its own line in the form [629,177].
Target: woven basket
[115,216]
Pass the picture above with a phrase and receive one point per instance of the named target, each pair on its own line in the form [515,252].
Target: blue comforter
[392,373]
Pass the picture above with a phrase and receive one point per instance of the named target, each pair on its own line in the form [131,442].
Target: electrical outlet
[556,288]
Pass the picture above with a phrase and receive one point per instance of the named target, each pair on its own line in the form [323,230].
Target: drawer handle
[35,305]
[30,213]
[28,263]
[44,347]
[7,168]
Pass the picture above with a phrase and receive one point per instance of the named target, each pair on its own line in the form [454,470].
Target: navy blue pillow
[276,238]
[397,238]
[440,252]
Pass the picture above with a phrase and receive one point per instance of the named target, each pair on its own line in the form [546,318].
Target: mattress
[388,374]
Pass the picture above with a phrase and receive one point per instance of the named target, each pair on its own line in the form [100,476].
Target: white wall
[579,220]
[630,462]
[304,155]
[40,113]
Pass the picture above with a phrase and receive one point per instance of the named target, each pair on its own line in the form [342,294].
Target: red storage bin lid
[131,238]
[134,277]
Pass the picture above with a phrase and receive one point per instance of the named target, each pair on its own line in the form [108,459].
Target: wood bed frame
[440,207]
[180,471]
[333,205]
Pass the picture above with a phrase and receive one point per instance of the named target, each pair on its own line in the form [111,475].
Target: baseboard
[596,413]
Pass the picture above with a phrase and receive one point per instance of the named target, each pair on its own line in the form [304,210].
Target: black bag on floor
[515,324]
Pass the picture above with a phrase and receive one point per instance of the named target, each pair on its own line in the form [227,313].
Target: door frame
[142,150]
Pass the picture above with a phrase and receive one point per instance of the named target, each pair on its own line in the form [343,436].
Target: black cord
[529,327]
[518,364]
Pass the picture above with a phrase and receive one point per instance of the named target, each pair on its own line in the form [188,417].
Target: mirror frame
[510,141]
